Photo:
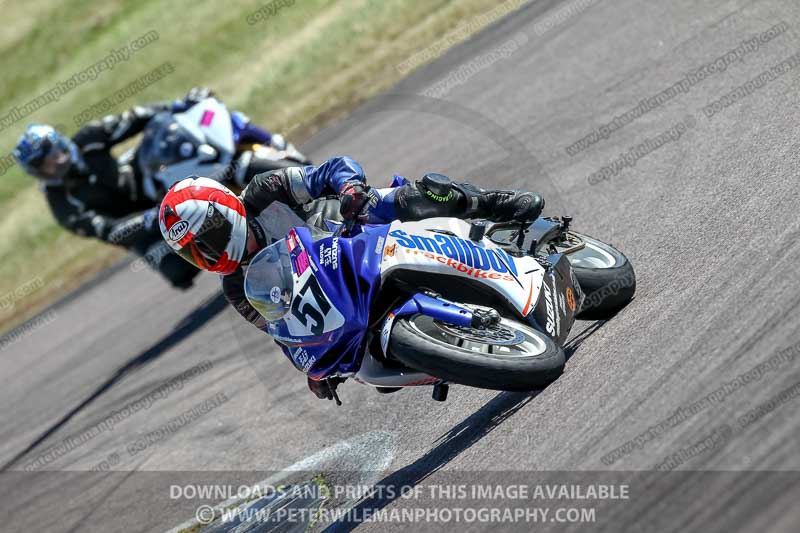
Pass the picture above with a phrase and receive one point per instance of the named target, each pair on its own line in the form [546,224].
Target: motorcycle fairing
[350,271]
[559,300]
[347,273]
[373,372]
[211,123]
[441,245]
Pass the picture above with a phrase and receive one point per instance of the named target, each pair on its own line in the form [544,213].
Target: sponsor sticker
[207,118]
[292,241]
[438,197]
[301,355]
[301,262]
[275,294]
[551,326]
[329,255]
[304,360]
[473,259]
[570,299]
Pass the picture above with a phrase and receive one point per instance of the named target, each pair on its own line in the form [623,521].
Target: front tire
[606,278]
[460,355]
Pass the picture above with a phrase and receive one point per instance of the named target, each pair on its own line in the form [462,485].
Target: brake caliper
[484,318]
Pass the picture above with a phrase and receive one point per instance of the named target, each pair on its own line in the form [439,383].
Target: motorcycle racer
[94,194]
[210,227]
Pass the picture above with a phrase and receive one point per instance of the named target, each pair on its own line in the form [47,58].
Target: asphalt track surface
[709,221]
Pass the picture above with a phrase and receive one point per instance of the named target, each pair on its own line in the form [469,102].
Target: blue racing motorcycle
[439,301]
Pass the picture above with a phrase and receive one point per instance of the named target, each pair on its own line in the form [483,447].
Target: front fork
[432,305]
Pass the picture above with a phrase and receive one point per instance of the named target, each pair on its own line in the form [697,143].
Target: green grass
[293,72]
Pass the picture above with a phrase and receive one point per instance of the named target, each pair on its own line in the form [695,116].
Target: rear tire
[608,288]
[425,352]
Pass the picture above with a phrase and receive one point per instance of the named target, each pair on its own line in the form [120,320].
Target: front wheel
[605,275]
[507,356]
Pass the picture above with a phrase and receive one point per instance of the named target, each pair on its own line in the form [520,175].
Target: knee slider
[436,187]
[411,203]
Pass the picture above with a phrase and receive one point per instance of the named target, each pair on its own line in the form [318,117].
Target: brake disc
[498,335]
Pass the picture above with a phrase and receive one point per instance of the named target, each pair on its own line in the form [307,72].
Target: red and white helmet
[205,223]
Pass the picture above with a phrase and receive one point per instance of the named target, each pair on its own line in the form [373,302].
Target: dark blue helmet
[45,153]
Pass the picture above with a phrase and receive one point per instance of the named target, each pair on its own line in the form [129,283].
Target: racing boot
[500,205]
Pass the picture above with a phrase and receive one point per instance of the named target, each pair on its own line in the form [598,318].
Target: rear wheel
[606,278]
[508,356]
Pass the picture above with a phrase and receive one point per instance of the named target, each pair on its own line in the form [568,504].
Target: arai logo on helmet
[178,230]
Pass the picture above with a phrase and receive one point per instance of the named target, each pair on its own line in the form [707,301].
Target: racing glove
[324,388]
[355,200]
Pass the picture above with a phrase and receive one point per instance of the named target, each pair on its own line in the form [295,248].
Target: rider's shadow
[575,342]
[450,445]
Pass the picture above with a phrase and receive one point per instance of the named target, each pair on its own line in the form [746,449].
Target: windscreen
[164,143]
[268,281]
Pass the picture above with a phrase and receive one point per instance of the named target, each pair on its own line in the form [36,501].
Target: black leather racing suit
[102,197]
